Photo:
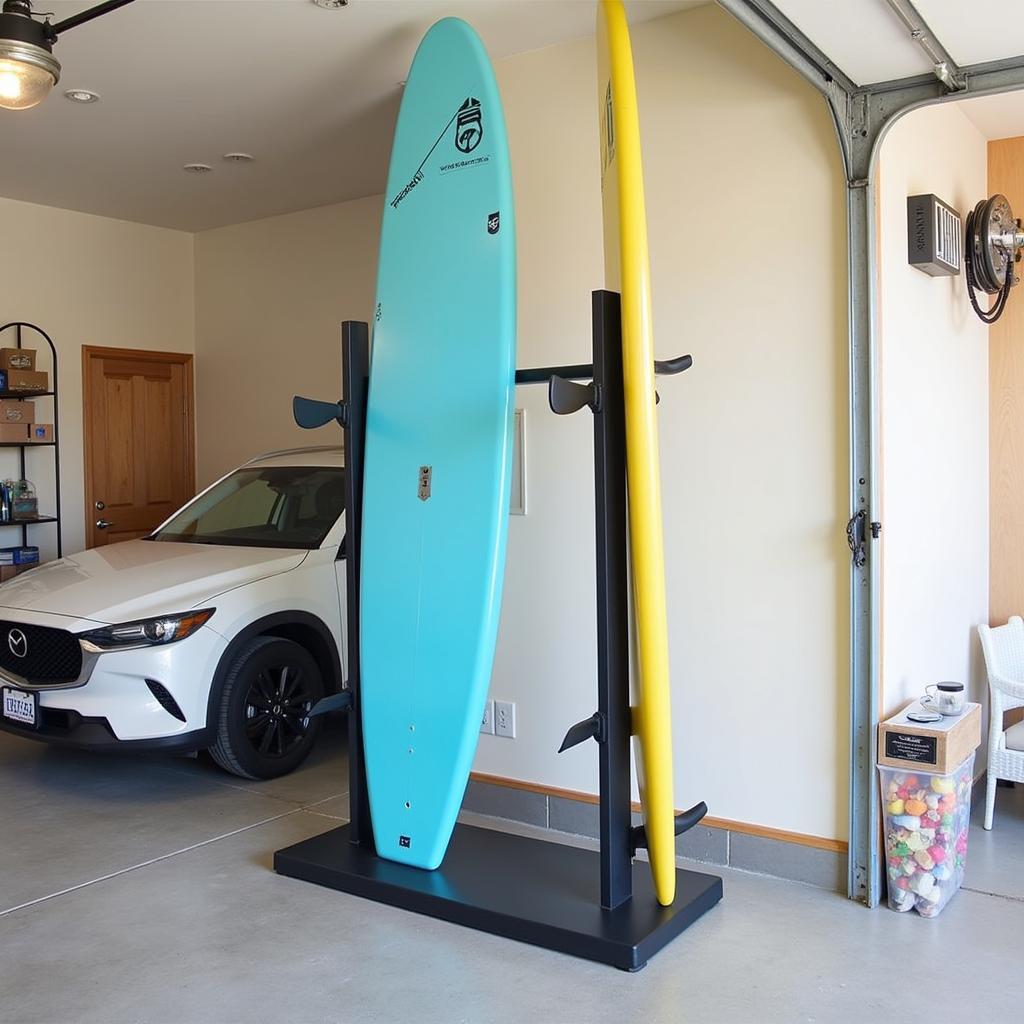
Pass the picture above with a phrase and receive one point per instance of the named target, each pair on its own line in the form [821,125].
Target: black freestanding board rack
[601,907]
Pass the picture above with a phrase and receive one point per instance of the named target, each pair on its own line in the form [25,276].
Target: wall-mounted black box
[934,236]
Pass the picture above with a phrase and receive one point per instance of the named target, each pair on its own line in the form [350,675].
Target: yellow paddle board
[627,271]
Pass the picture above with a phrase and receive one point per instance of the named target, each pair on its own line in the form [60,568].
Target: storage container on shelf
[926,816]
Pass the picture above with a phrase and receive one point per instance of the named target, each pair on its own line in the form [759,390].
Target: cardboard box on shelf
[27,380]
[16,410]
[40,432]
[17,358]
[24,509]
[13,433]
[938,747]
[8,572]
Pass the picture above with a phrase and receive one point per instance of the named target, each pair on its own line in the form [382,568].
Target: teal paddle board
[438,445]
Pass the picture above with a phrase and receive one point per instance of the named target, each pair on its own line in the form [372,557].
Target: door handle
[102,524]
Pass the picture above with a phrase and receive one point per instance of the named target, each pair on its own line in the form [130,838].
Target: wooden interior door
[139,440]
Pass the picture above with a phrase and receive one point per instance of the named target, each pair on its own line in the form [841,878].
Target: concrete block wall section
[825,869]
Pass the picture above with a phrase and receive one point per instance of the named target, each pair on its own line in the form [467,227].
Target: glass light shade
[27,74]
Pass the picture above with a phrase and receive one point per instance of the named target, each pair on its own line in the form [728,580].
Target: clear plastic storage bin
[926,821]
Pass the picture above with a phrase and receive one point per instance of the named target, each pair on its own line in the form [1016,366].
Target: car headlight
[145,632]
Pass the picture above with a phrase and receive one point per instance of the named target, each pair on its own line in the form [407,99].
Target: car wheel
[263,724]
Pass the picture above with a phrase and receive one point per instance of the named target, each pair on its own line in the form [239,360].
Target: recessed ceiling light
[197,168]
[239,158]
[331,5]
[81,96]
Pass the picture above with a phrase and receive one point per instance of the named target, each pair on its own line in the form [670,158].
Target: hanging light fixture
[28,68]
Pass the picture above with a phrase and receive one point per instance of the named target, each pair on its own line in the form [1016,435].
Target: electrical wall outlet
[487,722]
[505,718]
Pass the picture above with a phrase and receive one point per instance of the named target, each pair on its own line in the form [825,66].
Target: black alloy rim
[277,710]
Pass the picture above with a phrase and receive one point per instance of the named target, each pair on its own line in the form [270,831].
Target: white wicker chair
[1003,647]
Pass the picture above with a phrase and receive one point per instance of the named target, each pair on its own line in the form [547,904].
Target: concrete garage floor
[137,889]
[995,860]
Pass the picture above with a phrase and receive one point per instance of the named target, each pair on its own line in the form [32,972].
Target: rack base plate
[549,893]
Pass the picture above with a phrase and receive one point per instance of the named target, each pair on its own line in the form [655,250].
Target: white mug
[946,698]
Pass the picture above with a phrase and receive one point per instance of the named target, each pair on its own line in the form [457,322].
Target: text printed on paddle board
[466,136]
[607,132]
[423,489]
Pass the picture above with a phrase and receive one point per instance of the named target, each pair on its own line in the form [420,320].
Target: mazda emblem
[18,643]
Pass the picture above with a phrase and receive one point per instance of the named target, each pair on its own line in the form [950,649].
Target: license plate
[21,707]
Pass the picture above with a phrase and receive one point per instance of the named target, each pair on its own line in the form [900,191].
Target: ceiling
[997,117]
[311,93]
[867,41]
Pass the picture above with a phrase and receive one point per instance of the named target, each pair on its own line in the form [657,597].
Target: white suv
[218,632]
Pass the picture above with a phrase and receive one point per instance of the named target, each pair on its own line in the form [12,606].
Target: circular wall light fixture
[239,158]
[197,168]
[331,5]
[81,96]
[28,68]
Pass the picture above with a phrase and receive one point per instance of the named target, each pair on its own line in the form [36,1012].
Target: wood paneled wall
[1006,410]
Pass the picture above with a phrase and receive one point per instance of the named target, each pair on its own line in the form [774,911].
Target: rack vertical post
[355,374]
[612,603]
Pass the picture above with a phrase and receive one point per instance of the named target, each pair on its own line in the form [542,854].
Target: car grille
[51,655]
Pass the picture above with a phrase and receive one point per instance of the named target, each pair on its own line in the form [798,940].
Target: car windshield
[263,507]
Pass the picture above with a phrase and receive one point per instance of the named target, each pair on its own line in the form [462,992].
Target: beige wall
[270,295]
[88,280]
[933,410]
[745,204]
[746,222]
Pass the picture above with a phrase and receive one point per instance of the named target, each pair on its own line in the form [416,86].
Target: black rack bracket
[593,728]
[594,904]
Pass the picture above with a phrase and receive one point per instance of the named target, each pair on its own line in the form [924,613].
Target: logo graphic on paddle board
[405,842]
[494,223]
[469,130]
[469,126]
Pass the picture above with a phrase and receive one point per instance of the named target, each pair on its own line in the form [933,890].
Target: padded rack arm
[683,823]
[579,371]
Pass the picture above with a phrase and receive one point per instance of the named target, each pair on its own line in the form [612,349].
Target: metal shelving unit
[19,327]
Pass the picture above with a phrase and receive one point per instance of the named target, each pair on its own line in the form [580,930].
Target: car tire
[263,727]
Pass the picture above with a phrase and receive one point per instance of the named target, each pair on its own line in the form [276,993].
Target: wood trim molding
[143,354]
[746,828]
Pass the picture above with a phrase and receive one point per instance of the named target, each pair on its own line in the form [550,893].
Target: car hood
[139,579]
